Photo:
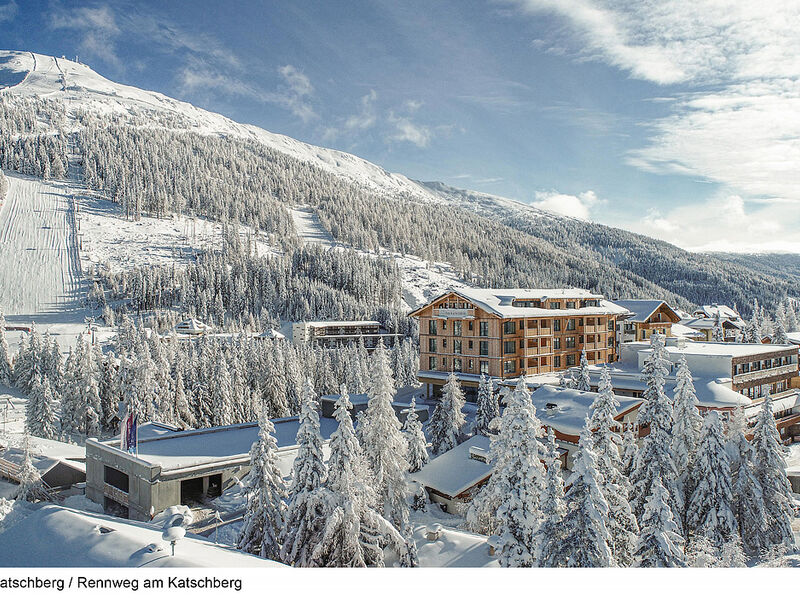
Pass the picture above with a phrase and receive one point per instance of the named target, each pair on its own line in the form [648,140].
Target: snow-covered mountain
[496,239]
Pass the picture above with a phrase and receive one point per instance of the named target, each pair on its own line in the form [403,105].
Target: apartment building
[330,334]
[506,333]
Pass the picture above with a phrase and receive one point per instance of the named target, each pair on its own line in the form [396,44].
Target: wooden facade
[458,335]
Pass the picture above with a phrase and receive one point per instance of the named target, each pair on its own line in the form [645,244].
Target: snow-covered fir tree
[262,528]
[583,381]
[622,526]
[488,408]
[655,459]
[548,538]
[686,428]
[748,502]
[710,512]
[40,412]
[629,450]
[310,502]
[779,334]
[508,505]
[770,470]
[355,533]
[447,422]
[6,366]
[31,486]
[660,543]
[415,437]
[384,444]
[222,395]
[586,541]
[718,333]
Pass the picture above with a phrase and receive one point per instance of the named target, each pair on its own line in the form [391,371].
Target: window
[556,362]
[469,344]
[610,325]
[431,363]
[509,327]
[456,327]
[521,324]
[555,305]
[484,328]
[470,325]
[444,325]
[456,346]
[115,478]
[570,324]
[569,342]
[570,304]
[444,344]
[509,347]
[484,367]
[509,366]
[483,348]
[432,327]
[533,324]
[444,363]
[570,360]
[471,365]
[556,343]
[432,345]
[457,365]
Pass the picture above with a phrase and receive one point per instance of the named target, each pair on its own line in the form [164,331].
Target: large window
[456,327]
[555,305]
[509,366]
[569,342]
[431,363]
[509,347]
[509,327]
[484,328]
[570,324]
[484,348]
[456,346]
[432,327]
[556,362]
[556,325]
[570,360]
[457,365]
[556,343]
[484,367]
[570,304]
[431,344]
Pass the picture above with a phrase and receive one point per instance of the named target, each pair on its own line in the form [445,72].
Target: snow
[453,549]
[309,228]
[641,309]
[55,536]
[39,262]
[423,281]
[793,458]
[454,471]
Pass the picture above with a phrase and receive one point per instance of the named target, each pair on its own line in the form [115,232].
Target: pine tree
[508,504]
[550,533]
[310,501]
[583,381]
[654,458]
[262,529]
[710,511]
[447,422]
[40,417]
[6,370]
[586,541]
[31,486]
[384,444]
[660,543]
[751,515]
[629,450]
[355,534]
[687,426]
[622,526]
[417,444]
[488,408]
[779,336]
[718,333]
[770,471]
[222,395]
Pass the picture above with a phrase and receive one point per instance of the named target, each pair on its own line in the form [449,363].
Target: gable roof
[641,310]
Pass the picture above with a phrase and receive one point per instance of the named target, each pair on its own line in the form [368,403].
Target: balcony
[538,331]
[538,351]
[592,329]
[116,494]
[754,376]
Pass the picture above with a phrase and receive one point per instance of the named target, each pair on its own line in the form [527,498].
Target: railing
[116,494]
[764,373]
[538,331]
[592,328]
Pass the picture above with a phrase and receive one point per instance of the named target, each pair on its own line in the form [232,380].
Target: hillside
[153,155]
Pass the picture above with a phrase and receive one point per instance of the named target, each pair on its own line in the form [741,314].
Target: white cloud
[579,206]
[405,130]
[96,26]
[8,11]
[294,93]
[365,117]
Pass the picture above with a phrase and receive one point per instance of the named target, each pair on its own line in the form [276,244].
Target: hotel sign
[455,313]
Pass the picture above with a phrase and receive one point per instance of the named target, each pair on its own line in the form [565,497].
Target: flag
[133,434]
[123,432]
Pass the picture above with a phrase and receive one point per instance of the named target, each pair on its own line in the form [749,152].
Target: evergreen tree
[629,450]
[262,529]
[508,504]
[6,367]
[488,407]
[718,333]
[40,417]
[660,543]
[31,486]
[749,509]
[779,335]
[447,422]
[309,500]
[550,533]
[415,438]
[583,381]
[586,541]
[770,471]
[710,511]
[384,444]
[222,395]
[687,427]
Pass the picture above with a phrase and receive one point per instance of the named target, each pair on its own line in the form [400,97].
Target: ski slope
[39,262]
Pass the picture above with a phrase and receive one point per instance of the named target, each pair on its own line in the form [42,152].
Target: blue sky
[676,119]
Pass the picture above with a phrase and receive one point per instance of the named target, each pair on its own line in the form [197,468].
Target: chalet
[726,313]
[331,334]
[732,329]
[644,318]
[504,333]
[193,327]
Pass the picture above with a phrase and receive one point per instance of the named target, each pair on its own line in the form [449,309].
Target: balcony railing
[743,378]
[116,494]
[538,331]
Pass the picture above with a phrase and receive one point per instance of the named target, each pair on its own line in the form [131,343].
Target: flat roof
[729,349]
[341,323]
[198,447]
[572,407]
[454,471]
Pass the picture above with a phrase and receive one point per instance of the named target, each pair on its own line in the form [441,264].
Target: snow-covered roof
[499,301]
[342,323]
[454,472]
[195,447]
[679,330]
[641,310]
[566,409]
[454,548]
[709,323]
[715,349]
[711,310]
[56,536]
[788,402]
[272,334]
[793,337]
[192,326]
